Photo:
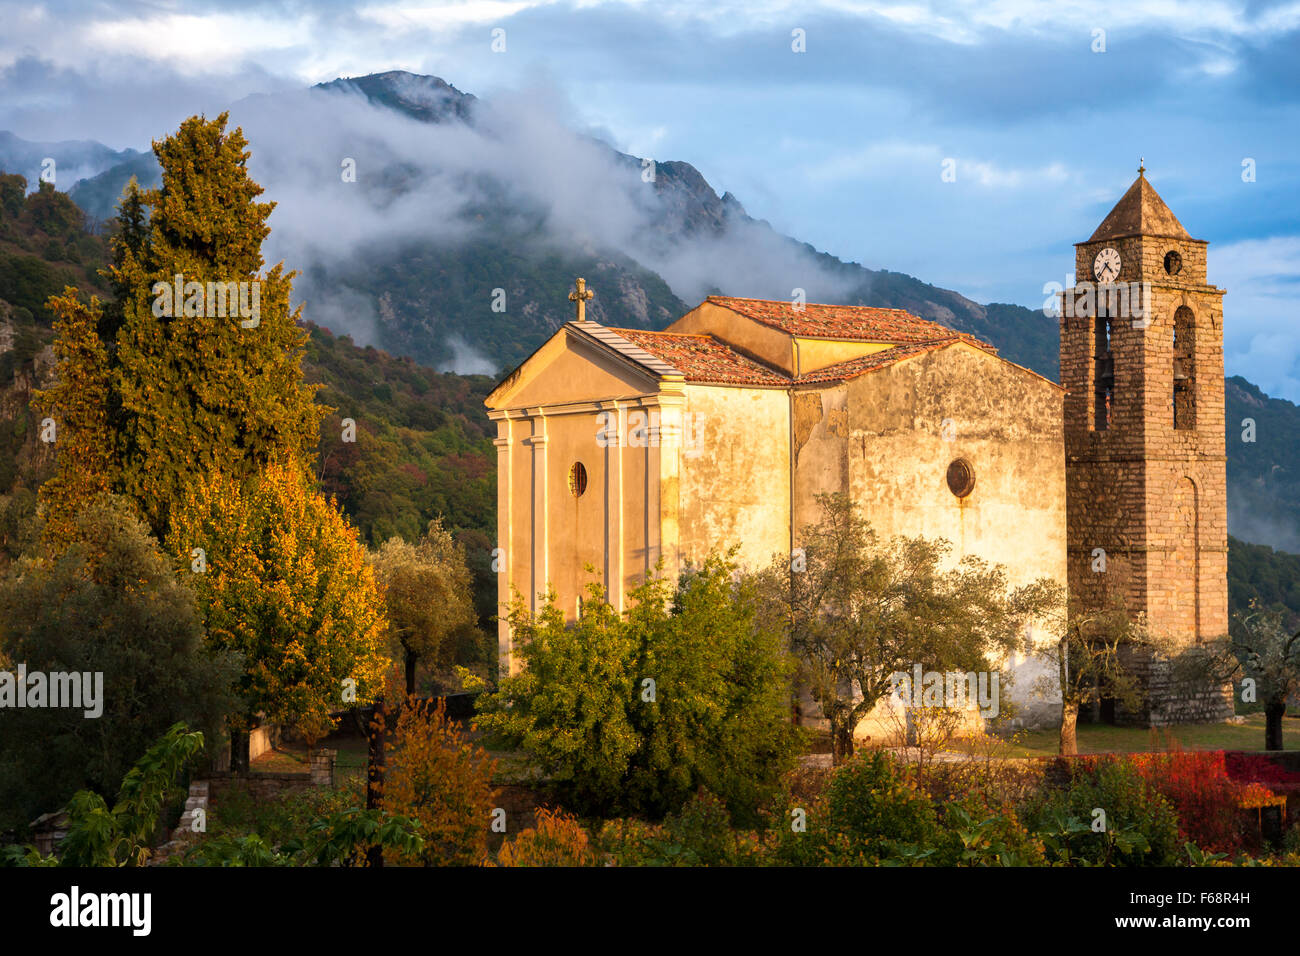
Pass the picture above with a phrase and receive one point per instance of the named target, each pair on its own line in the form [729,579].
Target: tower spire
[1142,169]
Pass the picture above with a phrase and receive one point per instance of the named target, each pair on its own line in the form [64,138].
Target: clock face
[1106,266]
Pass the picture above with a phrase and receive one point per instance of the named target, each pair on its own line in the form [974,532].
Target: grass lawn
[1103,738]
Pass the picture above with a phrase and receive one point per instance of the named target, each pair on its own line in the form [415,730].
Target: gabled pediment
[582,362]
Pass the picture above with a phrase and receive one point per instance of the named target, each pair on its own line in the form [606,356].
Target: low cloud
[516,168]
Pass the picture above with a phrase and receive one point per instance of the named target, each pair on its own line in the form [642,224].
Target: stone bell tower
[1146,499]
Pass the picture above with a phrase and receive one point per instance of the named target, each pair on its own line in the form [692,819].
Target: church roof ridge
[688,335]
[859,323]
[785,303]
[1140,212]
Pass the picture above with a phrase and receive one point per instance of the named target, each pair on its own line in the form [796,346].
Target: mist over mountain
[447,228]
[456,197]
[73,161]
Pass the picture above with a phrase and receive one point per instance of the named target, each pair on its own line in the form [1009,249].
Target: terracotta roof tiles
[853,322]
[702,358]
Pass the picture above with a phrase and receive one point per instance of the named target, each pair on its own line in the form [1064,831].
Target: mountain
[1263,466]
[438,298]
[455,240]
[424,446]
[73,159]
[429,99]
[98,195]
[1266,578]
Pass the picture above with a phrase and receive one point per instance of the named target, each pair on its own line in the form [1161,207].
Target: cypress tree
[202,385]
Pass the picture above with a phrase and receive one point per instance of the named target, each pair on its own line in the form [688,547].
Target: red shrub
[1203,794]
[1259,768]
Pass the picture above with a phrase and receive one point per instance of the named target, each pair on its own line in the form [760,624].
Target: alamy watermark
[1116,300]
[225,300]
[951,690]
[643,431]
[56,689]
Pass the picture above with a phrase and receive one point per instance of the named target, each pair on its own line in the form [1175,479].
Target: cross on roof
[580,297]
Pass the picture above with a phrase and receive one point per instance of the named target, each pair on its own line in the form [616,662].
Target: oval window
[578,479]
[961,478]
[1173,263]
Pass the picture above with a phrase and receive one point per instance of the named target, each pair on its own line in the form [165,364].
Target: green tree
[719,714]
[857,611]
[200,391]
[568,705]
[427,593]
[1091,661]
[638,711]
[108,604]
[1264,649]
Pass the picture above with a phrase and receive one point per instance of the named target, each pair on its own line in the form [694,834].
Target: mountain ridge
[433,297]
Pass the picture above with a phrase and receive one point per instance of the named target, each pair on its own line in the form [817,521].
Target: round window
[1173,263]
[578,479]
[961,478]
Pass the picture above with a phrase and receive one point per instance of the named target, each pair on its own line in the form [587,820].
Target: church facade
[621,449]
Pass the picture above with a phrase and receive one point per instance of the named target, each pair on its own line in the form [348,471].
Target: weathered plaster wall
[735,473]
[1005,421]
[553,535]
[814,354]
[881,437]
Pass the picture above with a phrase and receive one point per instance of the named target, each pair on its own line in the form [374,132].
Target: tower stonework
[1146,499]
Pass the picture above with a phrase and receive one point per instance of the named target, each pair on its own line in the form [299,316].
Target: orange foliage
[558,840]
[438,777]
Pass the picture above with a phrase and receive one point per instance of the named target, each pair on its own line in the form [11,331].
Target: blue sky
[841,145]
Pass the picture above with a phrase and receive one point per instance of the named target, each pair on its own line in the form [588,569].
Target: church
[621,448]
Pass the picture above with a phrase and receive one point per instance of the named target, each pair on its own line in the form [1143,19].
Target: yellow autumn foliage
[283,581]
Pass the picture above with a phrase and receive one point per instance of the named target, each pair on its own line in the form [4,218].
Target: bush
[1291,842]
[632,714]
[238,813]
[984,834]
[869,814]
[700,834]
[1141,828]
[107,605]
[437,777]
[557,840]
[1206,799]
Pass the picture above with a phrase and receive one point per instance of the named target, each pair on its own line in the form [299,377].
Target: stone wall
[1151,496]
[268,786]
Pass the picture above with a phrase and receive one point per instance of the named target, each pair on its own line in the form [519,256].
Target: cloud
[466,360]
[122,103]
[447,183]
[1262,277]
[839,146]
[442,16]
